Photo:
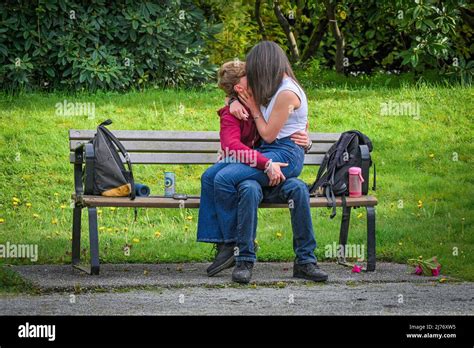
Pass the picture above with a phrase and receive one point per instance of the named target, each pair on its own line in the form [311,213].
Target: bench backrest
[184,147]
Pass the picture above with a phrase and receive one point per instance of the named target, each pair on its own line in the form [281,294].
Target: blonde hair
[229,75]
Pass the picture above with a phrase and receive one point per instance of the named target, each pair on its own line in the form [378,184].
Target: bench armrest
[90,158]
[78,161]
[84,151]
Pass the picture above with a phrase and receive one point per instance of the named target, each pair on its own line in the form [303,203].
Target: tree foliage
[352,35]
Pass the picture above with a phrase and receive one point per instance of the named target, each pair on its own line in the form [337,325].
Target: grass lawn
[424,171]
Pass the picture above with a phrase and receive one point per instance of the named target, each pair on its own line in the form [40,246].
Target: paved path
[169,289]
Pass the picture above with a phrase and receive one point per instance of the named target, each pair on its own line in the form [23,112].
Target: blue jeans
[210,229]
[292,191]
[228,179]
[208,226]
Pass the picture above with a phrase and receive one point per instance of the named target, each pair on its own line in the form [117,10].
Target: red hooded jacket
[238,138]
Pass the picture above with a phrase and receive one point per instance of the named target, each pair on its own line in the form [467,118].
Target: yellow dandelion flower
[189,217]
[432,155]
[63,206]
[99,211]
[15,204]
[102,228]
[400,243]
[28,205]
[56,194]
[360,215]
[279,235]
[36,216]
[420,204]
[113,208]
[157,234]
[54,221]
[2,220]
[15,199]
[343,14]
[136,240]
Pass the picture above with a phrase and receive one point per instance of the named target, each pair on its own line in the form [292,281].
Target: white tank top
[298,118]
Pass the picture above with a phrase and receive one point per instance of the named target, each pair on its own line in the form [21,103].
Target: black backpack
[110,177]
[351,150]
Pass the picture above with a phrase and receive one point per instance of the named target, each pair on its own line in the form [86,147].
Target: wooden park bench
[180,147]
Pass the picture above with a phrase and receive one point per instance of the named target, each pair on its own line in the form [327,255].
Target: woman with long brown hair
[279,108]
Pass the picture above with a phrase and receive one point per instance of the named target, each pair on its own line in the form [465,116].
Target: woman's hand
[274,172]
[300,138]
[249,102]
[238,110]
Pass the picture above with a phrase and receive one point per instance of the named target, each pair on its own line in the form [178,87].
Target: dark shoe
[242,272]
[224,259]
[309,271]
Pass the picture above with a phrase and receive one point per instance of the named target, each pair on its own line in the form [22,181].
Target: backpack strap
[322,168]
[375,179]
[365,155]
[344,202]
[124,152]
[331,200]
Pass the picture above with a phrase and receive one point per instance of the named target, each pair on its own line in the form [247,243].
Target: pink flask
[355,182]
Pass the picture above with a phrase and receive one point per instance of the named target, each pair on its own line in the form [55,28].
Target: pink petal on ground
[356,269]
[435,272]
[418,270]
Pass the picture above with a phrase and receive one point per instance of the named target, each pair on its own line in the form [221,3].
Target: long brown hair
[266,64]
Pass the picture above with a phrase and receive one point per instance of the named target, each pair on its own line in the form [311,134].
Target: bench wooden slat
[164,202]
[191,158]
[79,134]
[142,135]
[186,147]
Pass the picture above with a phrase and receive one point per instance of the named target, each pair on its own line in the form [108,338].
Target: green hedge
[113,45]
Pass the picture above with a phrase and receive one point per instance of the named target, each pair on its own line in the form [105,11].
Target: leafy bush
[102,45]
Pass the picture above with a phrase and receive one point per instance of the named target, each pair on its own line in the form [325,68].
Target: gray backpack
[109,176]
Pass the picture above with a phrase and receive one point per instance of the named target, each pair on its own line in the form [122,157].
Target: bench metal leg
[370,239]
[94,240]
[346,218]
[76,235]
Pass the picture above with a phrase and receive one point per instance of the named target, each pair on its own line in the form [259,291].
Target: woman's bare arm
[285,103]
